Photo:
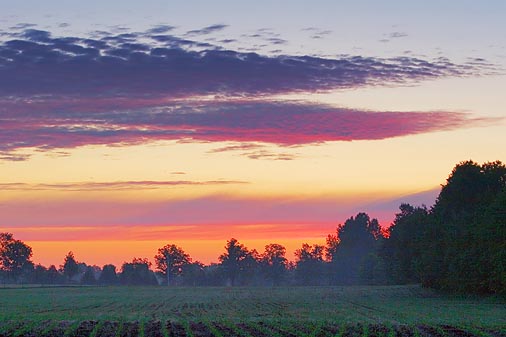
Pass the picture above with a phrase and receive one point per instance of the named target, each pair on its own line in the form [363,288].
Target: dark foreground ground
[251,329]
[247,312]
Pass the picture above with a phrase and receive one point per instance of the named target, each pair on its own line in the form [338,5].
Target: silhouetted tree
[40,275]
[14,256]
[108,275]
[402,252]
[492,237]
[194,274]
[175,258]
[54,276]
[459,244]
[234,259]
[137,272]
[250,269]
[89,276]
[309,264]
[274,263]
[356,240]
[332,242]
[460,239]
[69,267]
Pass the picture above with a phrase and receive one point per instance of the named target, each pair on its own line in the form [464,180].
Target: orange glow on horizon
[116,252]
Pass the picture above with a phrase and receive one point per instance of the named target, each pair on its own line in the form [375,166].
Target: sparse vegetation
[253,311]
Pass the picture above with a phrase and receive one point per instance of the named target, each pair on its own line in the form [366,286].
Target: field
[249,312]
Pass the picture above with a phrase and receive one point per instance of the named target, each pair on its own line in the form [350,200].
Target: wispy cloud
[255,151]
[317,33]
[269,155]
[393,35]
[396,35]
[113,186]
[160,29]
[207,30]
[122,87]
[237,147]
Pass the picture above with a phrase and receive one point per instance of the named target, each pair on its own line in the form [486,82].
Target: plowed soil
[157,328]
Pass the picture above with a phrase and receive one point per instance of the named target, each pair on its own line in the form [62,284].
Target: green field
[285,311]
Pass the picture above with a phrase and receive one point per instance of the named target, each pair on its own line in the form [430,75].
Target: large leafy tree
[137,272]
[236,260]
[403,250]
[493,237]
[70,266]
[14,255]
[274,263]
[464,229]
[310,264]
[108,275]
[171,261]
[352,244]
[459,245]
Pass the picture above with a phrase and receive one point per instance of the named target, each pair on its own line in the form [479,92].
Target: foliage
[403,250]
[351,247]
[236,261]
[274,263]
[137,272]
[108,275]
[70,267]
[459,245]
[310,266]
[171,260]
[14,256]
[89,276]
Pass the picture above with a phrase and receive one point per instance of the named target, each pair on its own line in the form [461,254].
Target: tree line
[459,244]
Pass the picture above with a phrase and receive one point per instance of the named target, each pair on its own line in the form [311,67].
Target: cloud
[396,35]
[112,186]
[237,147]
[255,151]
[160,29]
[207,30]
[21,26]
[317,33]
[276,40]
[8,156]
[68,124]
[125,64]
[269,155]
[124,87]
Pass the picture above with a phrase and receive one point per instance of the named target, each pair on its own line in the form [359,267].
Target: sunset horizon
[124,129]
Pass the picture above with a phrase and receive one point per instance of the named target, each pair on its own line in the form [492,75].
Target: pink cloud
[43,126]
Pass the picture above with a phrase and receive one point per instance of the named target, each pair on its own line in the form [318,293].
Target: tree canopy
[14,255]
[171,261]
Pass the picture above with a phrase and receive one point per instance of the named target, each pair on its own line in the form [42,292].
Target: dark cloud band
[154,63]
[125,87]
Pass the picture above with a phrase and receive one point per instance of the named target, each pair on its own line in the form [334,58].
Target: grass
[390,305]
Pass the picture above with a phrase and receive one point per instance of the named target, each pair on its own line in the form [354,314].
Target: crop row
[156,328]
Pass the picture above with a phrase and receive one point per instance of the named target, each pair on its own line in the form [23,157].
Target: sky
[128,125]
